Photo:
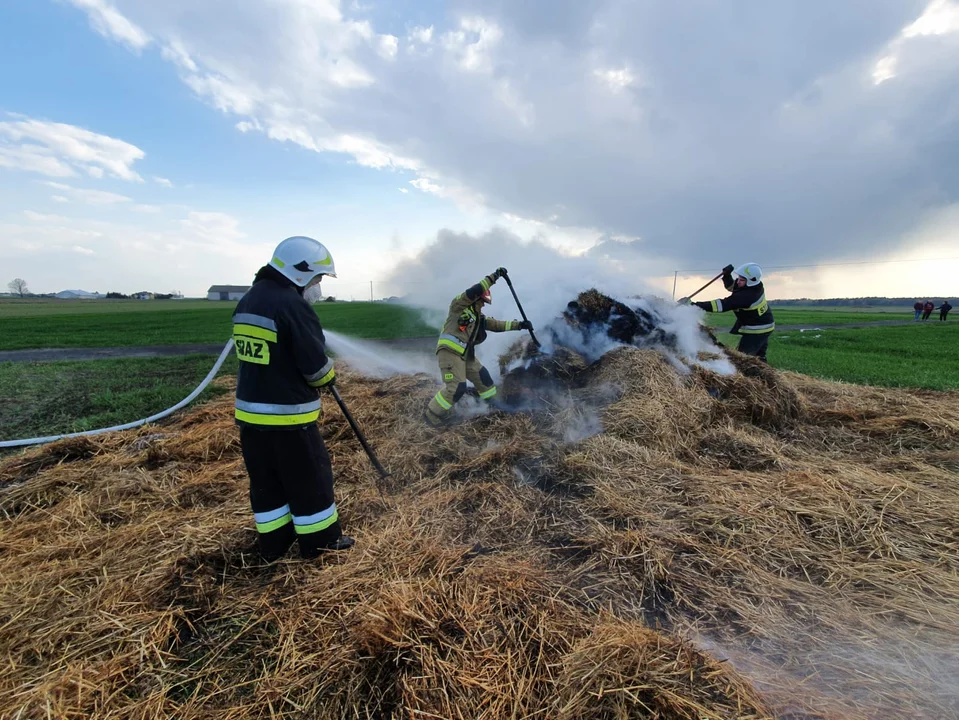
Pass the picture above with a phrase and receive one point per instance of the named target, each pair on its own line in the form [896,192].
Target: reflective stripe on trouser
[757,329]
[277,415]
[455,371]
[291,479]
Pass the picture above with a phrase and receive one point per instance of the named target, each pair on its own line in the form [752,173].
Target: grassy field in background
[922,355]
[49,398]
[819,316]
[29,324]
[53,397]
[130,323]
[32,307]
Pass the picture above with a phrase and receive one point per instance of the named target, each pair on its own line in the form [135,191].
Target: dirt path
[150,351]
[419,344]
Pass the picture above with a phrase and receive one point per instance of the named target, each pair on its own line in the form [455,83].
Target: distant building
[143,295]
[226,292]
[77,295]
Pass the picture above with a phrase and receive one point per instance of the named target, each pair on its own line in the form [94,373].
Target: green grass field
[132,323]
[921,355]
[53,397]
[31,324]
[817,316]
[49,398]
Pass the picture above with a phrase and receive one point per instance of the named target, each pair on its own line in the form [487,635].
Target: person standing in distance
[754,320]
[283,363]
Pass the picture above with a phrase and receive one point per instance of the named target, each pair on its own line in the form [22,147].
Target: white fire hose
[136,423]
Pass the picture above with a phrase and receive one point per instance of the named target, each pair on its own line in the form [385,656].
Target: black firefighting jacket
[753,316]
[283,361]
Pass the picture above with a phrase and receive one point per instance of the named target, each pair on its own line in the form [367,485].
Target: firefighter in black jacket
[283,363]
[754,319]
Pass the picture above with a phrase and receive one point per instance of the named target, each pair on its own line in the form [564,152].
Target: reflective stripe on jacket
[465,327]
[753,316]
[282,353]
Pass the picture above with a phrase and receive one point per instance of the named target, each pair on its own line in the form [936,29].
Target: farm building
[226,292]
[77,295]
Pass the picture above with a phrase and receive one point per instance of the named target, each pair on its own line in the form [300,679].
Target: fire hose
[136,423]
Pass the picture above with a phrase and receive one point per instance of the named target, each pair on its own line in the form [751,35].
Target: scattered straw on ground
[762,545]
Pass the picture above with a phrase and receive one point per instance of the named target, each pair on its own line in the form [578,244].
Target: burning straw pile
[747,546]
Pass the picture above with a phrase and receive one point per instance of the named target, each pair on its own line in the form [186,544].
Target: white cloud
[59,150]
[59,198]
[616,80]
[204,248]
[177,54]
[473,43]
[162,181]
[422,35]
[215,228]
[940,18]
[426,186]
[33,158]
[40,217]
[727,142]
[403,190]
[89,196]
[885,69]
[107,21]
[151,209]
[388,46]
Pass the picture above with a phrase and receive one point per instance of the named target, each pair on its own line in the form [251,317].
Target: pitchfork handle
[520,306]
[359,434]
[705,286]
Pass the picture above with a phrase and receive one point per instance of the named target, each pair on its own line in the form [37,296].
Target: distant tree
[117,296]
[18,286]
[330,298]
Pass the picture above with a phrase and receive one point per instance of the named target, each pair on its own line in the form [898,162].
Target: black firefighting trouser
[291,489]
[754,345]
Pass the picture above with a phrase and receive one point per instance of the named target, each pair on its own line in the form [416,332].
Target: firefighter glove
[499,272]
[525,325]
[684,301]
[728,270]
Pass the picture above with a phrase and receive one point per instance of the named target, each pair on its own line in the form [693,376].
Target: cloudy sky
[170,145]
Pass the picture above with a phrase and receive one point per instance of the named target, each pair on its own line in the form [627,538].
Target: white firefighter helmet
[301,259]
[751,273]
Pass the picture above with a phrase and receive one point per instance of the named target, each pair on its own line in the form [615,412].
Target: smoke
[846,664]
[545,280]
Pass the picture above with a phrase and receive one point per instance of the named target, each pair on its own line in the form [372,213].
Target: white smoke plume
[545,280]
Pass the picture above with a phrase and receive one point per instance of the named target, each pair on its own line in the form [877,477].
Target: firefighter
[466,327]
[754,320]
[283,363]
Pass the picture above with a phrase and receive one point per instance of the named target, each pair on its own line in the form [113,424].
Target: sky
[169,146]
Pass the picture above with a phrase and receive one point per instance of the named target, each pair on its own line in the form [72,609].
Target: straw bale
[648,544]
